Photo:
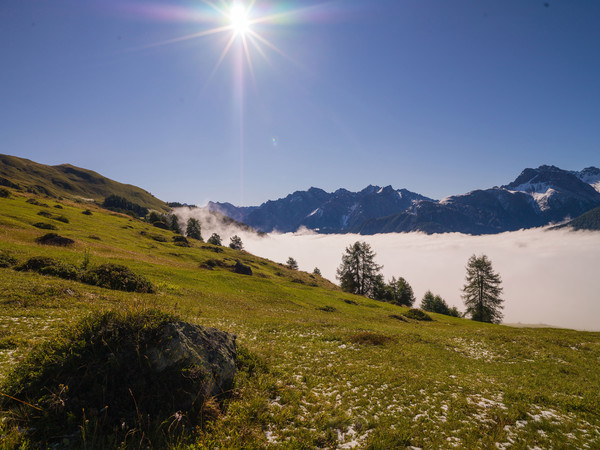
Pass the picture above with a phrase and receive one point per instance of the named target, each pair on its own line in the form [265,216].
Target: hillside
[69,182]
[343,371]
[587,221]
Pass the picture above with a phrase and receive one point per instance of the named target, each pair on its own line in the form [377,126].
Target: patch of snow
[380,191]
[400,194]
[346,217]
[593,179]
[316,211]
[533,187]
[542,198]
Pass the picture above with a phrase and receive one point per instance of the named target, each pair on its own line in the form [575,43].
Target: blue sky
[439,97]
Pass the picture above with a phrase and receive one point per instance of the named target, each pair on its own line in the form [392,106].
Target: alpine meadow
[301,224]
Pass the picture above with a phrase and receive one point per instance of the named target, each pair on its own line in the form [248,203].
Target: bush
[44,226]
[62,219]
[44,214]
[181,241]
[7,260]
[45,265]
[95,382]
[370,338]
[327,308]
[160,224]
[87,212]
[58,206]
[121,278]
[417,314]
[4,193]
[54,239]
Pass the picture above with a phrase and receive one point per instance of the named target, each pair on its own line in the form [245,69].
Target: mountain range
[537,197]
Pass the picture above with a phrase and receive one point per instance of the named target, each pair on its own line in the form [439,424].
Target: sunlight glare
[240,22]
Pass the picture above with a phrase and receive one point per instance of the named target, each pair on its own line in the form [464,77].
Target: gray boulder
[208,349]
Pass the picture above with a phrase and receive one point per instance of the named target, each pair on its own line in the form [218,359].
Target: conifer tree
[482,290]
[214,239]
[358,273]
[292,263]
[235,242]
[193,229]
[174,224]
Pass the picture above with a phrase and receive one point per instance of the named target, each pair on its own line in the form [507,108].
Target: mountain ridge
[537,197]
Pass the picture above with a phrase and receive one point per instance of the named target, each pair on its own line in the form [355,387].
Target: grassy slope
[72,182]
[450,382]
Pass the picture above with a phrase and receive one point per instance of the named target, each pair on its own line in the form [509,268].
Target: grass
[339,370]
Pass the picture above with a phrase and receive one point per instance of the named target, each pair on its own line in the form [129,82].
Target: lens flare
[240,20]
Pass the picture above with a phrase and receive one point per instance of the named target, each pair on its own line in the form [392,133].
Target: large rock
[212,350]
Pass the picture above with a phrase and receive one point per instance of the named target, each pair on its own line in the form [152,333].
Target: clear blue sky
[436,96]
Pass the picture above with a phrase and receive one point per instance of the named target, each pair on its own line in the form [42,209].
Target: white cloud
[549,277]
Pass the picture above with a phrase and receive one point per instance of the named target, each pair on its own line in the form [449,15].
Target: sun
[239,19]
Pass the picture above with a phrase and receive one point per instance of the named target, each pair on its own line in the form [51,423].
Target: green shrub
[87,212]
[327,308]
[45,265]
[181,241]
[7,260]
[44,226]
[54,239]
[4,193]
[93,382]
[162,225]
[45,214]
[417,314]
[62,219]
[115,276]
[58,206]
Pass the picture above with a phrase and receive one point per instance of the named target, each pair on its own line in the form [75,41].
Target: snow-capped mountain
[535,198]
[326,212]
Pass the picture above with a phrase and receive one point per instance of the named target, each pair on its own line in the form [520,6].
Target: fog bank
[549,277]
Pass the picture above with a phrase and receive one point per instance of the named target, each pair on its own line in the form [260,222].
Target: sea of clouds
[549,277]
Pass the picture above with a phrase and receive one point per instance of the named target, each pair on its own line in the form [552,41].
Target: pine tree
[292,263]
[434,303]
[317,271]
[401,292]
[193,229]
[482,290]
[236,243]
[214,239]
[358,273]
[174,224]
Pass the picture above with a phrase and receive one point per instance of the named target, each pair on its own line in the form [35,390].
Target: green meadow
[340,371]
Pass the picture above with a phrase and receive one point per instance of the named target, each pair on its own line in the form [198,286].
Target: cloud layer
[549,277]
